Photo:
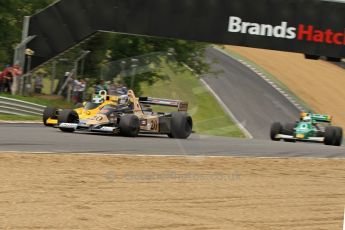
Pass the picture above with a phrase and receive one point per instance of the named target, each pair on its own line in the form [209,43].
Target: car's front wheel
[49,112]
[129,125]
[289,129]
[68,116]
[276,128]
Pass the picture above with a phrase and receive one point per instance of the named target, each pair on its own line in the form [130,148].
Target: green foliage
[148,78]
[107,47]
[104,47]
[12,13]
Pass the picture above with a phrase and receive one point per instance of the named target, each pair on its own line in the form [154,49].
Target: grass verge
[19,118]
[45,100]
[208,116]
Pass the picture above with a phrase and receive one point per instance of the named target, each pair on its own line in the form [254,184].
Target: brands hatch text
[303,32]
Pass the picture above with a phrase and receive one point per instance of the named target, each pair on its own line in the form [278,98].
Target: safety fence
[10,106]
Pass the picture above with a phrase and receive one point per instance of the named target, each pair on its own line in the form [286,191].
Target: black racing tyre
[129,125]
[68,116]
[338,139]
[181,125]
[49,112]
[276,128]
[330,134]
[289,129]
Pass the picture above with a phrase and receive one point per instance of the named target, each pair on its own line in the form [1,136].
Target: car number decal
[99,118]
[154,125]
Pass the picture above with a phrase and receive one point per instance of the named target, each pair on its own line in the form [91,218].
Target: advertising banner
[311,27]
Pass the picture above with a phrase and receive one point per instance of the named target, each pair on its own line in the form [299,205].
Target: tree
[12,13]
[105,47]
[110,47]
[122,46]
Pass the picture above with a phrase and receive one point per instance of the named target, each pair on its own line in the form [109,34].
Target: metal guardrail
[19,107]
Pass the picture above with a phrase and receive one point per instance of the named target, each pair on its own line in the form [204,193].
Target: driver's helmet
[307,117]
[123,100]
[97,99]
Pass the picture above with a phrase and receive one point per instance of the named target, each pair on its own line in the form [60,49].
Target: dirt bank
[119,192]
[319,83]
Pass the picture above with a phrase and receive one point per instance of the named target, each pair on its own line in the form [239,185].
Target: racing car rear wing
[321,118]
[316,117]
[181,105]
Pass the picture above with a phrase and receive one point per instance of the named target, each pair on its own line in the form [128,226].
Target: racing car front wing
[290,137]
[94,128]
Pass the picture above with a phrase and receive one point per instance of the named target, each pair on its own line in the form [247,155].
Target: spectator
[1,82]
[61,82]
[4,75]
[105,85]
[81,90]
[16,70]
[85,93]
[99,86]
[112,89]
[122,90]
[16,73]
[38,84]
[7,76]
[6,80]
[75,90]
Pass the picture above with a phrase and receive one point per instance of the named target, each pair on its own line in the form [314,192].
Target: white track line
[265,78]
[20,122]
[171,156]
[220,101]
[222,104]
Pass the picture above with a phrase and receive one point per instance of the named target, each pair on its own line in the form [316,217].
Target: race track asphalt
[37,138]
[254,102]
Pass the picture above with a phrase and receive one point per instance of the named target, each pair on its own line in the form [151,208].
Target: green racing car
[311,127]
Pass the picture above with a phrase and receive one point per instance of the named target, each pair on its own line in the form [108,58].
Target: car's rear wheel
[330,135]
[68,116]
[276,128]
[49,112]
[181,125]
[338,139]
[129,125]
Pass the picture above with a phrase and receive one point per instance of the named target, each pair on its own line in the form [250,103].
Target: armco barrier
[18,107]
